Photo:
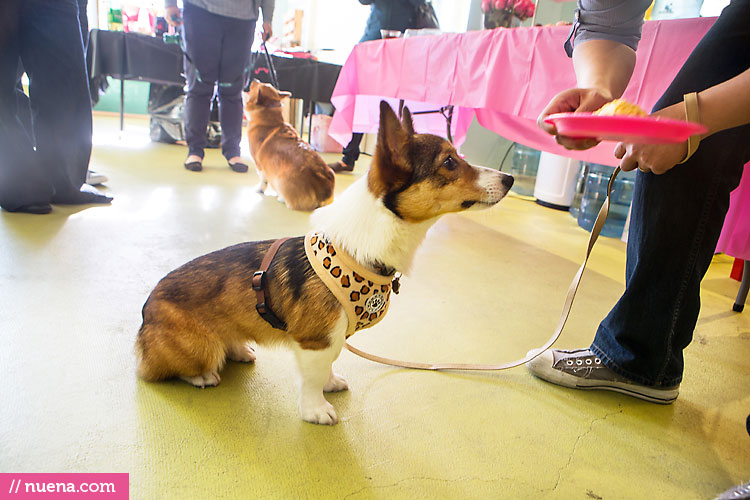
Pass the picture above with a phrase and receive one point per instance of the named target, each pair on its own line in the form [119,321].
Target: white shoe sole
[542,368]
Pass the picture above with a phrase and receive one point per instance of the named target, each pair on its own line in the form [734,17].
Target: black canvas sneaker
[582,369]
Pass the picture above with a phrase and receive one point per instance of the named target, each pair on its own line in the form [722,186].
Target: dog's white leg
[243,353]
[208,379]
[316,373]
[263,183]
[335,383]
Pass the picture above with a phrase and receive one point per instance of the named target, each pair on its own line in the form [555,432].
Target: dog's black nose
[507,181]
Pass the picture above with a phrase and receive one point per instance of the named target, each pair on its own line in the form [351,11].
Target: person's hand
[173,15]
[654,158]
[267,31]
[573,100]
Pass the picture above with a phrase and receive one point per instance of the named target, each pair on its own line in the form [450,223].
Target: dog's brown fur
[293,169]
[203,312]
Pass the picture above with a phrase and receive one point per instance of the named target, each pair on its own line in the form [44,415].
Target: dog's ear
[283,94]
[253,94]
[407,122]
[391,167]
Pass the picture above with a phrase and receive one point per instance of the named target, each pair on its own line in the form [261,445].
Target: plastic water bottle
[523,168]
[575,205]
[594,194]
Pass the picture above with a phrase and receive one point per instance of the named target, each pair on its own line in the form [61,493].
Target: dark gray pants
[46,37]
[218,52]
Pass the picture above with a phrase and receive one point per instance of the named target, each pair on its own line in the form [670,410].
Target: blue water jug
[523,168]
[594,193]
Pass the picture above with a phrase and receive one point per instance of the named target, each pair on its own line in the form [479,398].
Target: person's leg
[350,155]
[201,35]
[83,22]
[675,223]
[52,54]
[23,102]
[351,151]
[23,185]
[235,56]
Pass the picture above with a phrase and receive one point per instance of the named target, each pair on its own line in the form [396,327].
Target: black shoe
[194,166]
[238,166]
[87,194]
[340,166]
[38,208]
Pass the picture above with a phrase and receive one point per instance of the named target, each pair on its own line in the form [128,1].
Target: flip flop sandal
[194,166]
[238,166]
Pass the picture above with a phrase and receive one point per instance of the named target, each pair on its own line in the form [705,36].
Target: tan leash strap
[598,224]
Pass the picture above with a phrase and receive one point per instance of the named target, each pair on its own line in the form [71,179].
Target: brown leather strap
[598,224]
[259,285]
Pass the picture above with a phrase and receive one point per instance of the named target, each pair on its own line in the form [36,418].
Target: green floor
[486,287]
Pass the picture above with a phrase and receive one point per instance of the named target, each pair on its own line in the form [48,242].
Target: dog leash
[572,289]
[274,77]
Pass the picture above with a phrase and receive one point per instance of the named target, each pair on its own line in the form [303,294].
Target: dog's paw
[336,383]
[208,379]
[323,414]
[244,353]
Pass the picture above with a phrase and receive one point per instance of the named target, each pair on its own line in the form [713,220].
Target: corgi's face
[263,95]
[421,176]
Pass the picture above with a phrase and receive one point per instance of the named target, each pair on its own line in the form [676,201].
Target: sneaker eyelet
[588,361]
[598,361]
[579,362]
[569,362]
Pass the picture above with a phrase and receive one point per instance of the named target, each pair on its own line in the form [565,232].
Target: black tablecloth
[132,56]
[304,78]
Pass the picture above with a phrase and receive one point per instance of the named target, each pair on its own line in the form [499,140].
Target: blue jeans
[675,224]
[218,50]
[46,37]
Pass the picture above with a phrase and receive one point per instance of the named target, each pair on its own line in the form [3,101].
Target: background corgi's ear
[283,94]
[253,94]
[407,122]
[390,168]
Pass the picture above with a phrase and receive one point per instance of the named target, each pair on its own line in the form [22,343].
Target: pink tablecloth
[735,235]
[504,77]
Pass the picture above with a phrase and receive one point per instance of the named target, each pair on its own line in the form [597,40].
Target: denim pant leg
[351,151]
[52,54]
[675,224]
[22,180]
[201,34]
[237,38]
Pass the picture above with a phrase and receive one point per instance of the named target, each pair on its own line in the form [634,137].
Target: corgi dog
[297,173]
[201,314]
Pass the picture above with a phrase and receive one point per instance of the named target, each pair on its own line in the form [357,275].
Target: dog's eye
[450,163]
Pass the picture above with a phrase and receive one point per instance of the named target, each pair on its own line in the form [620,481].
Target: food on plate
[620,107]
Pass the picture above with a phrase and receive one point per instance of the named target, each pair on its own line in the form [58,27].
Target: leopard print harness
[363,294]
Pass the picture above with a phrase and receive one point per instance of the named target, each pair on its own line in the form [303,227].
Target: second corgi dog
[294,170]
[323,286]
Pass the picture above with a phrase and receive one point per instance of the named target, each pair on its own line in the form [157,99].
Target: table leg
[122,104]
[739,302]
[311,108]
[448,120]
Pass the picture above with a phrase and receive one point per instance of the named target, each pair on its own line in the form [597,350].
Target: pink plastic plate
[625,128]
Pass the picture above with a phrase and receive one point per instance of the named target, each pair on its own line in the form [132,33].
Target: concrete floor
[72,285]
